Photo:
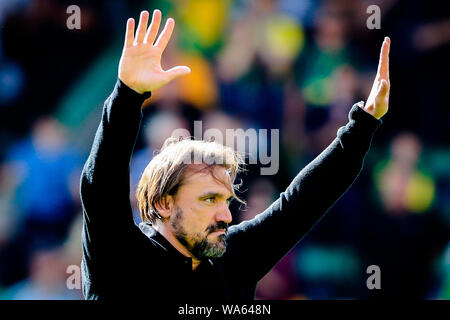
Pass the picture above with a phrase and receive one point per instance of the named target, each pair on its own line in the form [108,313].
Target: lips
[220,231]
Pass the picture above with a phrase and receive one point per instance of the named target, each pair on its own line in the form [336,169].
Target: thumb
[383,89]
[178,71]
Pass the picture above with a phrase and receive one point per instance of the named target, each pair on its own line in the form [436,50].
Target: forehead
[199,177]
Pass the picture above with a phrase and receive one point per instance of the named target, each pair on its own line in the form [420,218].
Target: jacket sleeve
[258,244]
[104,184]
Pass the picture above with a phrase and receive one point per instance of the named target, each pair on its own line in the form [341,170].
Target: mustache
[218,226]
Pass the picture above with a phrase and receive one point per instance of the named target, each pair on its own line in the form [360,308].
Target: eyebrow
[217,195]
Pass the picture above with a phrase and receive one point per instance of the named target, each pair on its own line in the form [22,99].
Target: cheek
[194,219]
[198,215]
[200,220]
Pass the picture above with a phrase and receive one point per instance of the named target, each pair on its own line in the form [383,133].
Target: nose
[224,214]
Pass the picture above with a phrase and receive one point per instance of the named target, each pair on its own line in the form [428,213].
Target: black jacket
[123,261]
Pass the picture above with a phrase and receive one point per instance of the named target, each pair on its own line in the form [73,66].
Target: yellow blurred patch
[206,19]
[419,193]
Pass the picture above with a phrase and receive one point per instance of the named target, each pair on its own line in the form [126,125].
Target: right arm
[105,177]
[104,185]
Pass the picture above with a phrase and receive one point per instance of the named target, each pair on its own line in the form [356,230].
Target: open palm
[140,64]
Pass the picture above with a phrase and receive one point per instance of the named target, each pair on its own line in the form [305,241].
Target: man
[184,250]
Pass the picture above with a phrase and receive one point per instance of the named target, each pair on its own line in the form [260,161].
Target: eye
[210,200]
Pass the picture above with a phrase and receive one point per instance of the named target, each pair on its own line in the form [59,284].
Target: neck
[176,243]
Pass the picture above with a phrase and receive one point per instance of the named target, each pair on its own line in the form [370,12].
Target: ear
[165,206]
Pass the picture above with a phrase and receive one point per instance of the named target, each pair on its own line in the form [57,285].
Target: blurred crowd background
[293,65]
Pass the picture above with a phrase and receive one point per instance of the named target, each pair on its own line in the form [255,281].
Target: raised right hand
[140,64]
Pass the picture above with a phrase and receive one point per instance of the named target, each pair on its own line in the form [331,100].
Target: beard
[199,244]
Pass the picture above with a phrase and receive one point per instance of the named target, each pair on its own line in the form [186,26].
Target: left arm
[260,243]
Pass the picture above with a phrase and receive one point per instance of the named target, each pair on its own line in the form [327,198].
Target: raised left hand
[377,103]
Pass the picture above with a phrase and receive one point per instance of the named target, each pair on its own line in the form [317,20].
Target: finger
[383,89]
[142,27]
[129,34]
[386,58]
[165,35]
[178,71]
[383,64]
[154,27]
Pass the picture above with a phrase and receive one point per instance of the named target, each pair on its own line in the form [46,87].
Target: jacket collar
[163,243]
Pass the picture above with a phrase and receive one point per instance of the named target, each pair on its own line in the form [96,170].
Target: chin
[217,252]
[217,248]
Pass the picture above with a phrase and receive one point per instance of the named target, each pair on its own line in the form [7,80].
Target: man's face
[201,216]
